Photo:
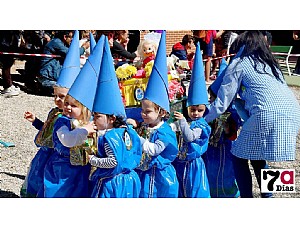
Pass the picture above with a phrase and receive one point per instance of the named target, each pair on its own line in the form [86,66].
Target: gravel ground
[14,161]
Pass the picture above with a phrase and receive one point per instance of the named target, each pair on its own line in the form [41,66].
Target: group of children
[89,148]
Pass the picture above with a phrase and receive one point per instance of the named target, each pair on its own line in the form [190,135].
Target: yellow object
[148,68]
[125,72]
[129,87]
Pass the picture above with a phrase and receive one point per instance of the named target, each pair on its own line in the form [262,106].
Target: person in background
[85,37]
[119,48]
[270,133]
[9,42]
[206,39]
[221,45]
[181,49]
[51,66]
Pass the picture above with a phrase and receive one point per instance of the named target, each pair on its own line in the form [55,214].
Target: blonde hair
[85,34]
[85,112]
[140,48]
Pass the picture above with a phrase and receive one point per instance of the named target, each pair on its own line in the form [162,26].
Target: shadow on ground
[8,194]
[22,177]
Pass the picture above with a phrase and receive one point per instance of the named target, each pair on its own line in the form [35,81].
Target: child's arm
[76,136]
[108,162]
[153,149]
[188,134]
[37,123]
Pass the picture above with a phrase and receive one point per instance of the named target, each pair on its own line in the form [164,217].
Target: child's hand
[90,127]
[133,122]
[89,156]
[29,116]
[178,115]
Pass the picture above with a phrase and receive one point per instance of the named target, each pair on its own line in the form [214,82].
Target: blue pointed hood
[92,42]
[84,87]
[108,98]
[157,87]
[71,65]
[197,93]
[214,87]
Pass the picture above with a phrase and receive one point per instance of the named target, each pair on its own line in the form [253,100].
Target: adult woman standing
[270,132]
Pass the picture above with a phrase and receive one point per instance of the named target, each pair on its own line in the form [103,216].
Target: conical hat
[197,93]
[108,98]
[84,87]
[92,42]
[71,65]
[157,87]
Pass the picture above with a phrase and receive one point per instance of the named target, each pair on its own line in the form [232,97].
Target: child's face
[59,96]
[101,121]
[72,108]
[149,113]
[196,111]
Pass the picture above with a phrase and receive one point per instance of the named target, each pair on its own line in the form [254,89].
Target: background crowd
[42,72]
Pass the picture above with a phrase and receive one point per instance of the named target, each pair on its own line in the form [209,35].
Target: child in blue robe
[34,178]
[119,148]
[193,137]
[159,143]
[119,153]
[218,158]
[66,172]
[71,68]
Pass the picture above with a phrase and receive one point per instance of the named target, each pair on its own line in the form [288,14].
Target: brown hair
[160,110]
[118,33]
[186,39]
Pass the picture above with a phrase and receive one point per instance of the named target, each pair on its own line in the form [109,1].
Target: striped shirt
[108,162]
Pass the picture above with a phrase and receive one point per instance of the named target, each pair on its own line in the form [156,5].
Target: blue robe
[189,165]
[218,158]
[61,178]
[35,176]
[121,181]
[157,174]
